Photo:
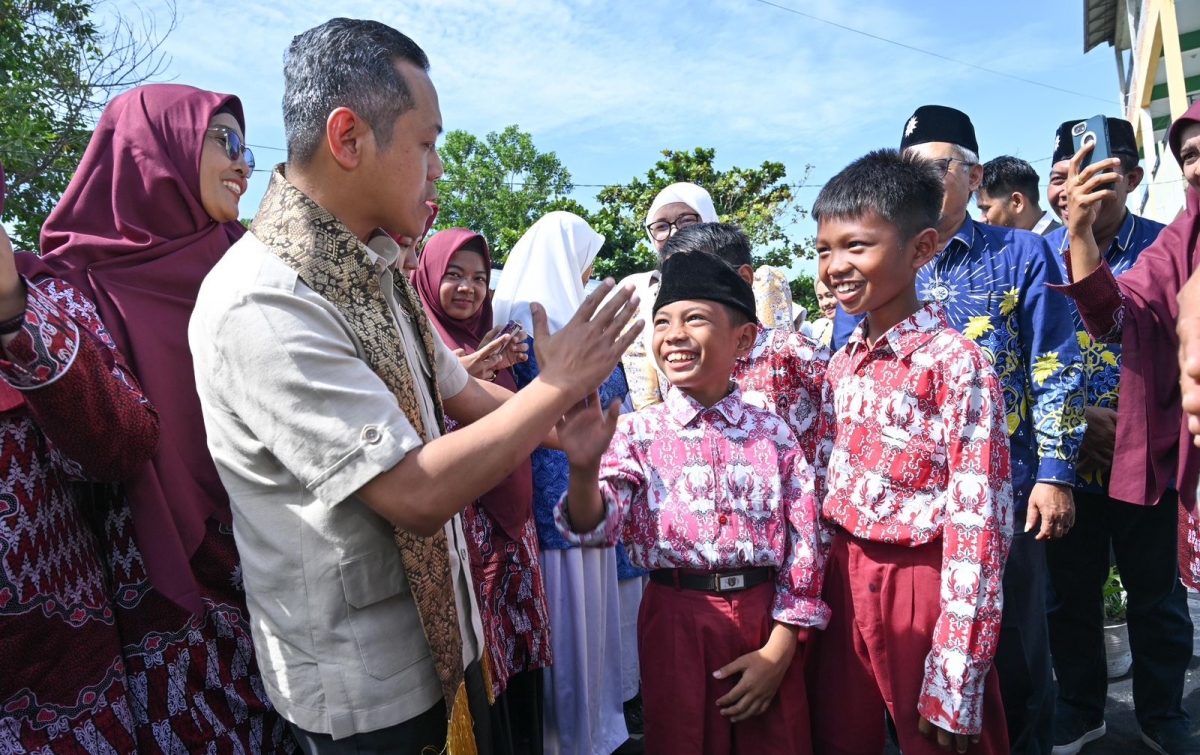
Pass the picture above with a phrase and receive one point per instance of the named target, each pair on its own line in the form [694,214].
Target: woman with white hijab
[583,689]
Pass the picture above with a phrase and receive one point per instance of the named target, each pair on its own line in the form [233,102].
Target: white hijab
[691,195]
[546,266]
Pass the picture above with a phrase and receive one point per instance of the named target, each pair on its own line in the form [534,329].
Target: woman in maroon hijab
[152,207]
[452,279]
[1154,447]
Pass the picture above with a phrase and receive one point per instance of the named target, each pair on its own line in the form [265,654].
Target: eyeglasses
[234,146]
[660,230]
[943,166]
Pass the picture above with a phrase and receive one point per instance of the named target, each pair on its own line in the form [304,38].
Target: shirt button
[722,519]
[371,435]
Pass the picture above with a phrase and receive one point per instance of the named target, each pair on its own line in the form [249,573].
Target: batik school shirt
[713,489]
[916,450]
[784,374]
[1102,361]
[991,283]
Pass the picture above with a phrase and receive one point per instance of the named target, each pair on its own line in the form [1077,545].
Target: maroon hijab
[1154,448]
[511,502]
[131,233]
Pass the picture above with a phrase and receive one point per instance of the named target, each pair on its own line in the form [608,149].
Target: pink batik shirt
[713,489]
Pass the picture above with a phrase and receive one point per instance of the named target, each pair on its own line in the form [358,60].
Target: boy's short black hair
[723,240]
[1006,174]
[901,188]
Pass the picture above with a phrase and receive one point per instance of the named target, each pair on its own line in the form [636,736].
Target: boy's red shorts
[686,635]
[884,601]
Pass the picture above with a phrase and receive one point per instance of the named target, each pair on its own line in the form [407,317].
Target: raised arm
[73,381]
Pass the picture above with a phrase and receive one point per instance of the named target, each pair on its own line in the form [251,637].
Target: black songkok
[1120,139]
[687,276]
[937,123]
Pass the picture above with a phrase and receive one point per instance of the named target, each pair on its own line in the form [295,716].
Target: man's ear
[1134,177]
[924,246]
[1018,202]
[747,334]
[975,177]
[747,273]
[347,135]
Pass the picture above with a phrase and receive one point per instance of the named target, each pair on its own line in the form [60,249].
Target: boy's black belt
[726,581]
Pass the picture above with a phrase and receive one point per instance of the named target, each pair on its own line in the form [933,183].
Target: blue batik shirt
[991,282]
[1102,361]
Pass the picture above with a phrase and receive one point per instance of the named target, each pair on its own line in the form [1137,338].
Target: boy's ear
[924,246]
[747,334]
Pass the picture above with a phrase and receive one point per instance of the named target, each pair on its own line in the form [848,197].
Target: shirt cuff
[44,348]
[380,448]
[952,694]
[800,612]
[1097,297]
[602,536]
[1056,472]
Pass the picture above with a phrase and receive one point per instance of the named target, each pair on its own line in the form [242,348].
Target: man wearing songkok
[1141,537]
[917,491]
[991,283]
[784,371]
[713,496]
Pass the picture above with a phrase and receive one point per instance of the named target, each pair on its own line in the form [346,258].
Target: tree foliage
[500,185]
[760,200]
[59,67]
[805,295]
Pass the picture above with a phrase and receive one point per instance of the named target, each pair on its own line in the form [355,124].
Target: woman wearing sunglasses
[152,207]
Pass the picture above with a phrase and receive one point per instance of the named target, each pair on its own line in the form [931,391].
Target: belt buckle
[731,582]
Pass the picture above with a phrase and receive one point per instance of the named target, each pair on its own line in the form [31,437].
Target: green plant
[1114,597]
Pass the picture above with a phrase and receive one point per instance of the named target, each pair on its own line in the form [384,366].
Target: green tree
[499,186]
[804,295]
[58,69]
[760,200]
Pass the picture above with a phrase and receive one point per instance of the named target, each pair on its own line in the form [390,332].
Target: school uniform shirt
[916,450]
[1102,361]
[991,283]
[713,489]
[784,374]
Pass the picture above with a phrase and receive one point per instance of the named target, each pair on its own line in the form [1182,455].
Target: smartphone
[1092,131]
[512,326]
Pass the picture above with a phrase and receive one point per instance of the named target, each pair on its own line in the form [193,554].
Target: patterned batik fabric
[1101,359]
[785,373]
[512,597]
[992,284]
[717,489]
[773,298]
[64,686]
[916,450]
[194,682]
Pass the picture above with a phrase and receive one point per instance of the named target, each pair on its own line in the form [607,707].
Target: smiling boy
[917,492]
[713,496]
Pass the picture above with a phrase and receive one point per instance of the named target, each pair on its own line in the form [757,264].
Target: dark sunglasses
[234,146]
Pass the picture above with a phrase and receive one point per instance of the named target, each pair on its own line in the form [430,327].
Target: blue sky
[608,85]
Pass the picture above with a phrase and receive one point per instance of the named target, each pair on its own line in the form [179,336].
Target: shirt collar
[383,250]
[906,336]
[965,235]
[1040,227]
[1125,232]
[684,409]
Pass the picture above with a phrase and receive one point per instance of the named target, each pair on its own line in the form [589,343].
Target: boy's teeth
[845,288]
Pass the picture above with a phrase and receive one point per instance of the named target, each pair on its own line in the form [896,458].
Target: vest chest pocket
[382,613]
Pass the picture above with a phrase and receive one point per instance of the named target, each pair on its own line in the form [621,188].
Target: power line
[929,52]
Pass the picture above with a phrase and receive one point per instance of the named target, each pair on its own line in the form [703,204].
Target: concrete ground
[1124,735]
